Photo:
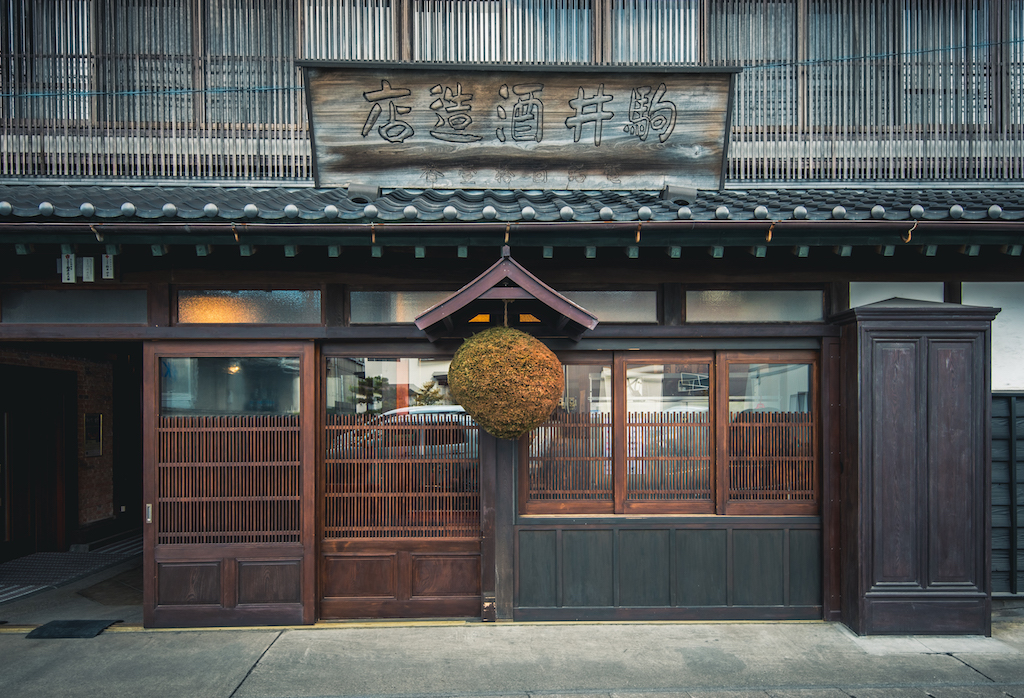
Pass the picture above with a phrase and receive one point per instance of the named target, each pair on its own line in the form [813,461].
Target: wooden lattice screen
[771,457]
[402,476]
[668,456]
[228,479]
[570,458]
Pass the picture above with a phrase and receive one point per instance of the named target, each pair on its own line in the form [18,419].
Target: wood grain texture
[517,130]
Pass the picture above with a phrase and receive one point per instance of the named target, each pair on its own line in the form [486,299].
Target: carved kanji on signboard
[394,130]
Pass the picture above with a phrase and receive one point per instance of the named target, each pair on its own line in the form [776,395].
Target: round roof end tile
[684,213]
[606,213]
[169,210]
[878,211]
[370,211]
[490,213]
[761,212]
[722,212]
[528,213]
[956,211]
[995,211]
[87,209]
[917,211]
[567,213]
[645,213]
[839,212]
[210,210]
[291,210]
[5,208]
[450,213]
[800,213]
[127,209]
[331,211]
[410,213]
[251,210]
[46,208]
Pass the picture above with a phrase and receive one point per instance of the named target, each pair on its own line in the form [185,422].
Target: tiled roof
[85,203]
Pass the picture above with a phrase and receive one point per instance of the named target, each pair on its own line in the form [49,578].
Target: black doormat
[71,628]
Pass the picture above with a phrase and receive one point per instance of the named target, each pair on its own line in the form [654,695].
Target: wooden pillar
[497,514]
[916,468]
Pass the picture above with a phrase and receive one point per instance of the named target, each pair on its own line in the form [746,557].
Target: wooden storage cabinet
[916,468]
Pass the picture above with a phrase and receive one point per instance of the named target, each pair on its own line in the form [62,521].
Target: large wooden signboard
[430,126]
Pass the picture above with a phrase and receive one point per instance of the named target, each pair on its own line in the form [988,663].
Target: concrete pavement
[475,659]
[460,659]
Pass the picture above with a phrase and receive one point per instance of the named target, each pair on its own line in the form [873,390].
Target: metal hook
[373,233]
[910,233]
[98,234]
[768,236]
[507,226]
[234,232]
[638,226]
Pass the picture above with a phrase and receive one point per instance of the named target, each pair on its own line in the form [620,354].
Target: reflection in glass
[618,306]
[72,307]
[229,386]
[249,307]
[668,432]
[771,433]
[754,306]
[402,458]
[390,307]
[570,456]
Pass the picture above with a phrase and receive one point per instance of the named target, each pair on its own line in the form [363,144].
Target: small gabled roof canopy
[506,282]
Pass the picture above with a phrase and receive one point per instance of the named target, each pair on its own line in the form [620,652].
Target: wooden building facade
[745,433]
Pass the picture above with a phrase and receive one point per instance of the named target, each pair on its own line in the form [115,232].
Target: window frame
[718,407]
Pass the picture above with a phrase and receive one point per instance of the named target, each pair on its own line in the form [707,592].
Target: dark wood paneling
[894,473]
[359,575]
[644,568]
[445,575]
[728,568]
[805,574]
[953,521]
[587,573]
[538,568]
[759,572]
[270,581]
[188,583]
[700,558]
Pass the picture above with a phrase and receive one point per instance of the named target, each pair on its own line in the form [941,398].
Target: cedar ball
[507,380]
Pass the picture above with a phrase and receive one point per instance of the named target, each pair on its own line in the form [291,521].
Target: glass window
[402,459]
[71,307]
[249,307]
[388,307]
[866,292]
[1007,329]
[771,439]
[668,432]
[754,306]
[618,306]
[678,433]
[210,386]
[570,456]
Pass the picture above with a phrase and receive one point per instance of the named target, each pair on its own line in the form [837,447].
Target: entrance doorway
[401,493]
[37,460]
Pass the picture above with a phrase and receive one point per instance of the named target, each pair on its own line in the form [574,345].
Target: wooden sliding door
[229,483]
[401,493]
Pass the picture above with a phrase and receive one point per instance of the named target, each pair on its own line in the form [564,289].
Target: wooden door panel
[229,468]
[404,583]
[269,581]
[445,575]
[359,576]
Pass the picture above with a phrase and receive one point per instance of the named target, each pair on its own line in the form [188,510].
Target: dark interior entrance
[37,460]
